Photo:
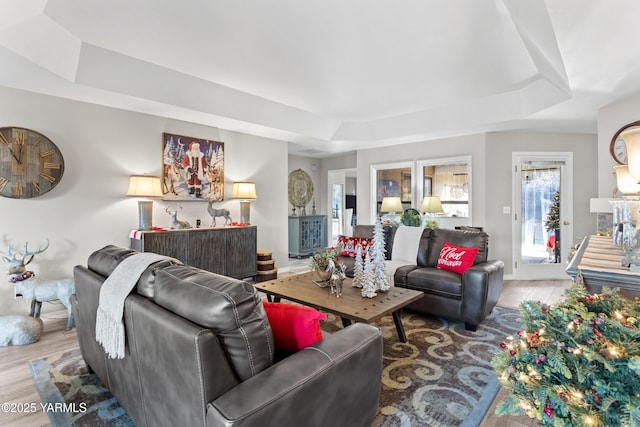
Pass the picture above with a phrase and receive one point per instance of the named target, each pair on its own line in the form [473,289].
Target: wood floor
[16,383]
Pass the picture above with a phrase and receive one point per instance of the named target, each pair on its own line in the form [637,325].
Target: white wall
[500,146]
[492,177]
[102,147]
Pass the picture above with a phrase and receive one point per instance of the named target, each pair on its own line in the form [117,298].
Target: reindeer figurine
[38,292]
[175,222]
[218,212]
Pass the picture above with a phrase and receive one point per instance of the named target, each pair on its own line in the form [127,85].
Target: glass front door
[540,213]
[543,215]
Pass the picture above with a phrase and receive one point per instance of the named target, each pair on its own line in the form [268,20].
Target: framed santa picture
[193,168]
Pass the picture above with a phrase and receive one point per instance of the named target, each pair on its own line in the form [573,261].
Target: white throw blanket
[405,249]
[405,244]
[114,290]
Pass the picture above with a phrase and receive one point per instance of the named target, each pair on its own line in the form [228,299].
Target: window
[392,180]
[449,179]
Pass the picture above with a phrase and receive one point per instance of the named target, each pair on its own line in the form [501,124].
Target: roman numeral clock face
[30,163]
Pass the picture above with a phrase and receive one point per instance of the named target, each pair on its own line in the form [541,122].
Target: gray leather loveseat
[467,297]
[199,352]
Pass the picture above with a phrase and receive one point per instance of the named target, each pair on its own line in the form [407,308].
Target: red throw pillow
[348,245]
[294,326]
[456,258]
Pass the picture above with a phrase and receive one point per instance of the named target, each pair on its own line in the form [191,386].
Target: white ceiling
[332,75]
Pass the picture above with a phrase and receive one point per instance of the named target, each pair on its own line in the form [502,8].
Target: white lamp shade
[627,184]
[391,204]
[144,186]
[431,204]
[244,190]
[632,141]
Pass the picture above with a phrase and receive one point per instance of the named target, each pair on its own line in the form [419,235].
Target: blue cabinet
[306,234]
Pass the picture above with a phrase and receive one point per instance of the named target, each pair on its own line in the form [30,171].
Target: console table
[599,262]
[306,234]
[230,251]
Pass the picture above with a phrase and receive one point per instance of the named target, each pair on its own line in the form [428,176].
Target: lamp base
[245,210]
[145,213]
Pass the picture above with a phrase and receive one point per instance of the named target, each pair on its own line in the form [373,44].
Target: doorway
[341,184]
[543,214]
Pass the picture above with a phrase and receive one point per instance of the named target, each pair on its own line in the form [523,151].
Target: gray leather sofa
[199,352]
[469,297]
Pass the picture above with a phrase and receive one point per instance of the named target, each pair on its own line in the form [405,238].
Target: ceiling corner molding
[42,41]
[533,24]
[114,72]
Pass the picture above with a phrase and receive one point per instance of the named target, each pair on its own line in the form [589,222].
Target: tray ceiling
[332,76]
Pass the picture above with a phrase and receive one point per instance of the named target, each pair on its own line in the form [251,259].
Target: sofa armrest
[334,382]
[481,287]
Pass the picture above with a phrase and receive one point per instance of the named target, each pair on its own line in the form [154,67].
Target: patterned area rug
[442,377]
[73,396]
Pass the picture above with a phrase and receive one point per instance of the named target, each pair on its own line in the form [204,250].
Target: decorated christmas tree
[576,363]
[379,273]
[358,269]
[368,287]
[552,222]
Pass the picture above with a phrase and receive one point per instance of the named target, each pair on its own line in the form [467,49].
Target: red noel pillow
[294,326]
[348,245]
[456,258]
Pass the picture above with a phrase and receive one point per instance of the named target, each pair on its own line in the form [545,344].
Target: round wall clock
[617,147]
[30,163]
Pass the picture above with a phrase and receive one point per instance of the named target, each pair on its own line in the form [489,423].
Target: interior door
[336,202]
[543,215]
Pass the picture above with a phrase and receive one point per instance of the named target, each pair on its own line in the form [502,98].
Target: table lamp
[246,192]
[431,205]
[144,186]
[391,205]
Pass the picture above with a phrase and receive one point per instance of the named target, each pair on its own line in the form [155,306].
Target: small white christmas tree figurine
[379,273]
[358,269]
[368,287]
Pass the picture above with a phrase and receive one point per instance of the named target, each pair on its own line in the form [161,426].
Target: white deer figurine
[175,222]
[18,265]
[19,330]
[49,290]
[37,291]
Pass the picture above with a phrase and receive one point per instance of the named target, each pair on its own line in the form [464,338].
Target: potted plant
[431,223]
[324,262]
[411,218]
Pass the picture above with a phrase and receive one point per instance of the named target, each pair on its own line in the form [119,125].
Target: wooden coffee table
[351,306]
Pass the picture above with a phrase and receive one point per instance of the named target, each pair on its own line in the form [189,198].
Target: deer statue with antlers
[17,265]
[37,291]
[175,222]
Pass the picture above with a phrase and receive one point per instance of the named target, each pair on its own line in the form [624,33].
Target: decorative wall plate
[300,188]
